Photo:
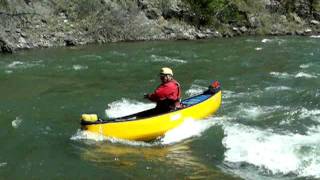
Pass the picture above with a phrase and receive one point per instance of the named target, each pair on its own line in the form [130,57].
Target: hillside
[46,23]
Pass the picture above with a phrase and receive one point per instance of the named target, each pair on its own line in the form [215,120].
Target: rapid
[268,126]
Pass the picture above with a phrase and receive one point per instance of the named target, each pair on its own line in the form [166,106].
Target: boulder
[5,46]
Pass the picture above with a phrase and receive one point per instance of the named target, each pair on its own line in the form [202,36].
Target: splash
[189,128]
[87,135]
[194,90]
[126,107]
[277,153]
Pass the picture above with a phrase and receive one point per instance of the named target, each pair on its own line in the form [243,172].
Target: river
[268,126]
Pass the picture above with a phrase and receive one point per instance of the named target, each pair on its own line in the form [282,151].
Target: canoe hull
[153,127]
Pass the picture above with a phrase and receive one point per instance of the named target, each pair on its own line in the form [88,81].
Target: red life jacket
[167,95]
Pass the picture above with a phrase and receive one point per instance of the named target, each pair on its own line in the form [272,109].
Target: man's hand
[146,96]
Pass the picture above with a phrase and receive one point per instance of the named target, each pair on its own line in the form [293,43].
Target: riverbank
[26,24]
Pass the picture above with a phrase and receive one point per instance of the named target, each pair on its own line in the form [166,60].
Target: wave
[271,152]
[155,58]
[286,75]
[304,75]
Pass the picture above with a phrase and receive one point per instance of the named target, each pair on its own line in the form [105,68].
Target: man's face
[163,78]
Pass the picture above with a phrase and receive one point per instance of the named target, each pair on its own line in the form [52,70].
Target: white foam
[15,64]
[96,137]
[78,67]
[290,153]
[23,65]
[313,114]
[194,90]
[304,66]
[8,71]
[126,107]
[87,135]
[315,36]
[258,48]
[304,75]
[16,122]
[283,75]
[189,128]
[3,164]
[91,57]
[155,58]
[117,53]
[266,40]
[255,112]
[278,88]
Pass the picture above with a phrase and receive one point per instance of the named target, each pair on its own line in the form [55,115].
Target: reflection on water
[155,159]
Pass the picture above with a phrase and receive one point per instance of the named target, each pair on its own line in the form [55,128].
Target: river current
[268,126]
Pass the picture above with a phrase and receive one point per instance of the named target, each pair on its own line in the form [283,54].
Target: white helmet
[166,71]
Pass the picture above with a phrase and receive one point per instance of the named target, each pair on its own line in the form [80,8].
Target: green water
[270,110]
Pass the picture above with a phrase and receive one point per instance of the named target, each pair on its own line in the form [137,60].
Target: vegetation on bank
[46,23]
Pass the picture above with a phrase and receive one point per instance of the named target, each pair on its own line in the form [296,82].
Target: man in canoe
[168,93]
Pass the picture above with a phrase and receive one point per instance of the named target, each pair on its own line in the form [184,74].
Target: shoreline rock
[70,23]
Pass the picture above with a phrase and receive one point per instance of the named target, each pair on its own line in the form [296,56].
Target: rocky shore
[26,24]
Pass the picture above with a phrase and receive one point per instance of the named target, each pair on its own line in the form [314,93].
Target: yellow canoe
[139,128]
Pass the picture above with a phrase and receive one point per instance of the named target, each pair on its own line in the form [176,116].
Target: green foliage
[208,12]
[316,5]
[4,5]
